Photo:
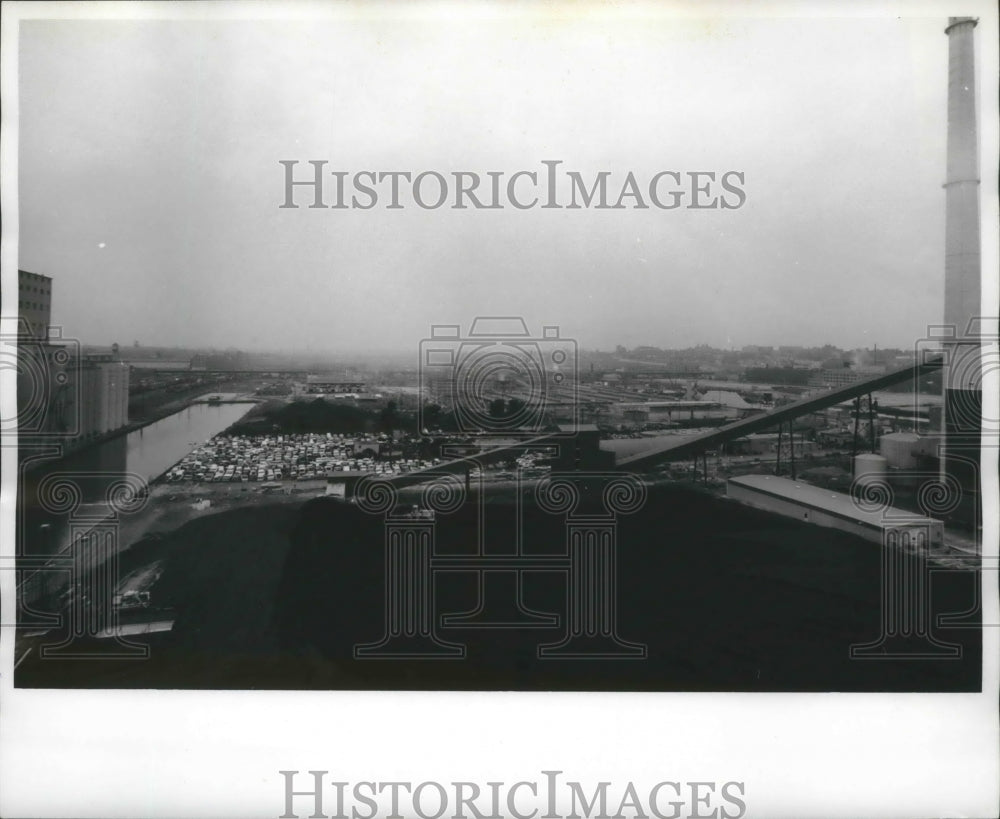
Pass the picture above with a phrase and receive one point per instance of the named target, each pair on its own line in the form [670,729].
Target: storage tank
[869,467]
[899,449]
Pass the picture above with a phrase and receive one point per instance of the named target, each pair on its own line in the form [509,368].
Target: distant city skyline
[151,195]
[143,352]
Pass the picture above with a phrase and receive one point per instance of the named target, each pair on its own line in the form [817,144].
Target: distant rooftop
[24,274]
[669,405]
[567,429]
[727,398]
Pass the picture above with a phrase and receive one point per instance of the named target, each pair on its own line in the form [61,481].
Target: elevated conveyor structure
[676,448]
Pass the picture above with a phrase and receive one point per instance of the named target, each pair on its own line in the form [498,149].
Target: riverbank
[171,506]
[48,527]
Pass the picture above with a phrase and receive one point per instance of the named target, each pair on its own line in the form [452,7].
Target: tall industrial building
[102,395]
[42,365]
[963,396]
[61,392]
[34,303]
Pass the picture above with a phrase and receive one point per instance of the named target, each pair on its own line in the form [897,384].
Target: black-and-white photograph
[606,348]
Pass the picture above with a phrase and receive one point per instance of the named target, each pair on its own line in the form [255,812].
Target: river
[88,475]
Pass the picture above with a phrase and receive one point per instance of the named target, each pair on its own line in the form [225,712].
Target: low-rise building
[766,443]
[652,411]
[823,507]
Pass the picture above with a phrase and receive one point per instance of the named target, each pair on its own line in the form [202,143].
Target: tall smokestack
[963,397]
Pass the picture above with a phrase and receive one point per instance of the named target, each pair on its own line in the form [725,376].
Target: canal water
[56,491]
[151,451]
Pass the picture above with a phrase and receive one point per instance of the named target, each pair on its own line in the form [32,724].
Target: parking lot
[301,457]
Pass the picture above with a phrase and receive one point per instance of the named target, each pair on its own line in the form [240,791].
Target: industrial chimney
[962,376]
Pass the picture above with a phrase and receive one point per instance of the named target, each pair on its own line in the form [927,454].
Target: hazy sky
[150,181]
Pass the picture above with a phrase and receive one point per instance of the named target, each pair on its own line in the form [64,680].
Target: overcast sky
[150,181]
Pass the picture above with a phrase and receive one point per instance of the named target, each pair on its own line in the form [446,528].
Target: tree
[498,408]
[432,416]
[389,418]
